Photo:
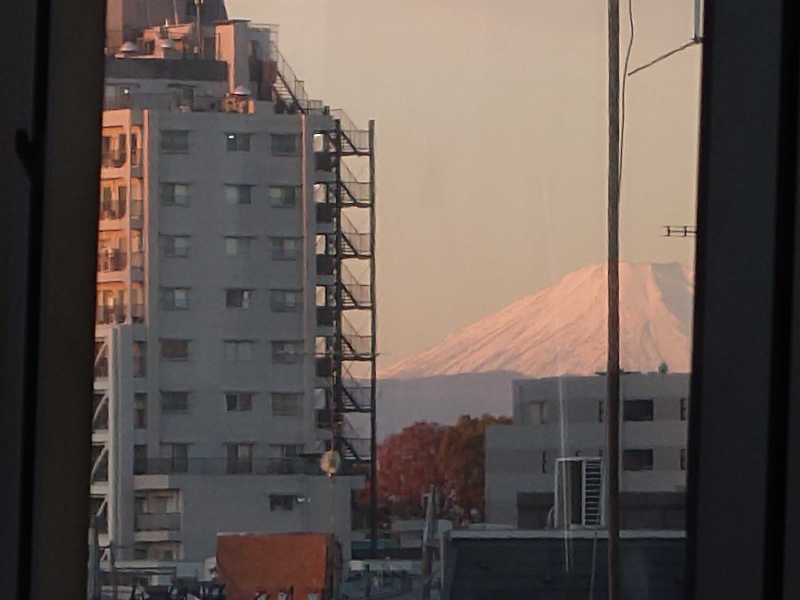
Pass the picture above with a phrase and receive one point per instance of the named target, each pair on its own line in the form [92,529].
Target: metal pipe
[373,446]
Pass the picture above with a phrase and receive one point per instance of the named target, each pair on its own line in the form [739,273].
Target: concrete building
[559,417]
[219,290]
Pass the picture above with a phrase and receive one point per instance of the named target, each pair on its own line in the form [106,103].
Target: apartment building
[219,291]
[559,418]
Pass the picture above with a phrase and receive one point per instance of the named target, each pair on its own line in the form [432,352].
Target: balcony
[112,209]
[112,259]
[158,522]
[224,466]
[114,158]
[110,315]
[137,313]
[137,212]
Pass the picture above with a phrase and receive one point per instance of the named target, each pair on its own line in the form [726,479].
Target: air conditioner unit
[580,490]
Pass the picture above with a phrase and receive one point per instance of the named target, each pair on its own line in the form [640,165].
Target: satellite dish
[330,463]
[241,90]
[128,48]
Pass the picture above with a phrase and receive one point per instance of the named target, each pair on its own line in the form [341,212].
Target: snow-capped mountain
[555,331]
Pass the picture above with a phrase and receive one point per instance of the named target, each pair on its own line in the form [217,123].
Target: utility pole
[428,541]
[612,369]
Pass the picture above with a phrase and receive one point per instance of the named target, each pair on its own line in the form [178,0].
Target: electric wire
[658,59]
[623,94]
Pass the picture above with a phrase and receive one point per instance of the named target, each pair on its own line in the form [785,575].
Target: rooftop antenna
[175,12]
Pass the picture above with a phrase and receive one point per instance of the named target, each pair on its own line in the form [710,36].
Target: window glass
[238,194]
[637,410]
[238,298]
[287,405]
[175,349]
[283,196]
[174,194]
[237,142]
[174,141]
[237,245]
[174,401]
[285,144]
[637,460]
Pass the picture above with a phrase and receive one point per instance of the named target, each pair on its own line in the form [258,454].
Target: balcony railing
[112,209]
[137,313]
[101,367]
[224,466]
[112,259]
[114,158]
[137,208]
[110,315]
[158,522]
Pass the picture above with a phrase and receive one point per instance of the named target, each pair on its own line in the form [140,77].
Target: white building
[559,417]
[216,293]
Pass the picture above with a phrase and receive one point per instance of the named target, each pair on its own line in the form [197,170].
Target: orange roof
[251,562]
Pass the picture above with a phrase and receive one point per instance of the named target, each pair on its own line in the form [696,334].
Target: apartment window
[238,401]
[240,458]
[238,350]
[281,501]
[140,459]
[175,298]
[174,401]
[238,298]
[637,460]
[601,411]
[283,196]
[287,352]
[287,405]
[285,143]
[683,459]
[285,300]
[544,461]
[239,194]
[684,409]
[176,457]
[285,450]
[175,349]
[176,245]
[237,245]
[174,194]
[285,248]
[174,141]
[237,142]
[140,411]
[139,359]
[637,410]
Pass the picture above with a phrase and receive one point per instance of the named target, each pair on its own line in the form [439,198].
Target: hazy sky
[491,141]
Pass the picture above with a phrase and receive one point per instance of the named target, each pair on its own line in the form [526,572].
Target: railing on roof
[293,90]
[356,137]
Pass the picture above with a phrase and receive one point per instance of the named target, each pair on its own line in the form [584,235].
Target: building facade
[219,295]
[562,417]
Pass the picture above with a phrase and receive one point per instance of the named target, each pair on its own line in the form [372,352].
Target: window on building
[140,551]
[237,245]
[601,411]
[637,460]
[176,457]
[174,401]
[238,298]
[683,459]
[285,300]
[287,405]
[174,141]
[285,450]
[176,245]
[240,458]
[175,298]
[285,144]
[172,349]
[684,405]
[237,142]
[238,194]
[238,350]
[637,410]
[140,459]
[281,501]
[544,461]
[139,359]
[238,401]
[283,196]
[140,411]
[285,248]
[287,352]
[174,194]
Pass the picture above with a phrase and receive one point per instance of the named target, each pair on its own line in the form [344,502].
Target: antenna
[175,11]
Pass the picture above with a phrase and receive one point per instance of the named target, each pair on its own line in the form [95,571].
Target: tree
[407,466]
[462,463]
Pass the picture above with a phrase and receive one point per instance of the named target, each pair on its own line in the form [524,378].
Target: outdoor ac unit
[579,493]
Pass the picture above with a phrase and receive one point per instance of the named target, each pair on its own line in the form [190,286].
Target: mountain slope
[562,329]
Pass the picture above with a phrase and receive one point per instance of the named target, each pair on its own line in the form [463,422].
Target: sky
[491,142]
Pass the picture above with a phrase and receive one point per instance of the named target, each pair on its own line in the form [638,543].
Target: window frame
[174,150]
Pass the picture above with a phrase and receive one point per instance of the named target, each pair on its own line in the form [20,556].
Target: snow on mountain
[558,330]
[562,329]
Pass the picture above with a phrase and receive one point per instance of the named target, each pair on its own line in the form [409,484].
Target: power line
[624,88]
[688,44]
